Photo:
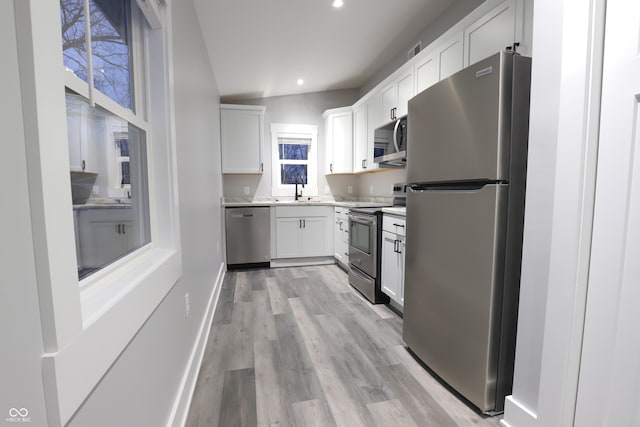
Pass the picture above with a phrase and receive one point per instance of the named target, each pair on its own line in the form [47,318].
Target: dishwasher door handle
[239,216]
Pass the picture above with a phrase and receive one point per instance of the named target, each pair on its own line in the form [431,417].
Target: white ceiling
[260,48]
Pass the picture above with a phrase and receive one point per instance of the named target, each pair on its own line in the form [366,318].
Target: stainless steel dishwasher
[248,237]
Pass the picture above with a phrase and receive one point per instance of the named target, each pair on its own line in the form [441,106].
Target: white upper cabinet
[360,134]
[406,91]
[338,134]
[241,133]
[427,72]
[491,33]
[450,55]
[395,97]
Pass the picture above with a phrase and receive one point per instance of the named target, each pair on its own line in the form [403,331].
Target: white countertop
[396,210]
[342,203]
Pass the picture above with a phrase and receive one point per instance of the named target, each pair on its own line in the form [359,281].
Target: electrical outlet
[350,189]
[247,191]
[371,189]
[187,305]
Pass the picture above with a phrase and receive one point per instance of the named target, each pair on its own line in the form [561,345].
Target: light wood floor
[300,347]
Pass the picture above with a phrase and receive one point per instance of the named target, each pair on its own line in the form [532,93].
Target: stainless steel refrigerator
[466,160]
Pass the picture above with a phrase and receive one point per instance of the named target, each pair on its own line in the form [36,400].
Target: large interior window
[294,150]
[106,140]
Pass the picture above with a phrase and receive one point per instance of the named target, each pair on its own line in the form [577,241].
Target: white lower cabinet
[303,231]
[105,234]
[341,236]
[392,268]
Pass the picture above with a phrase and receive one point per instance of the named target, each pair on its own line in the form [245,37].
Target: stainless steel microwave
[390,144]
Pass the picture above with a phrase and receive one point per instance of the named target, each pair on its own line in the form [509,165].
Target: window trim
[294,131]
[96,322]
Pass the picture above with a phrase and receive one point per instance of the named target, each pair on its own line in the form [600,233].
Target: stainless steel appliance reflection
[465,210]
[365,234]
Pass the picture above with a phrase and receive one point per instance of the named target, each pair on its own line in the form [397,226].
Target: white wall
[143,384]
[379,183]
[563,143]
[296,109]
[20,328]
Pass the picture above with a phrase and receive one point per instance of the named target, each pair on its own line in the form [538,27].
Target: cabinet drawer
[394,224]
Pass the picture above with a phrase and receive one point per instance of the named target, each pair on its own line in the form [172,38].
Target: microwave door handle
[395,136]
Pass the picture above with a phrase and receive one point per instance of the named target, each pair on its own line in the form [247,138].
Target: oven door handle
[363,221]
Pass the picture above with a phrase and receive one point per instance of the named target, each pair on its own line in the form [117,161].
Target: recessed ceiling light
[337,3]
[300,82]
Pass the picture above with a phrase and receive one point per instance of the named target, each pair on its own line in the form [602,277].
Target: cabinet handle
[331,167]
[300,223]
[399,246]
[340,224]
[261,167]
[124,230]
[398,225]
[84,165]
[304,223]
[395,246]
[118,228]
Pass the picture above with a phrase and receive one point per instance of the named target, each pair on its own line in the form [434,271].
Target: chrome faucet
[299,178]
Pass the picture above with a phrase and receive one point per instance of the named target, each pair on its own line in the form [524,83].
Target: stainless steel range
[365,236]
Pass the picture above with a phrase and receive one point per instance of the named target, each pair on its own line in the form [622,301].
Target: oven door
[362,242]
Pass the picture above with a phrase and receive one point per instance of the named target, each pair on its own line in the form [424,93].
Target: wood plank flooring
[299,347]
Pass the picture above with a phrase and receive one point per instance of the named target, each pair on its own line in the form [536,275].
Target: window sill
[114,307]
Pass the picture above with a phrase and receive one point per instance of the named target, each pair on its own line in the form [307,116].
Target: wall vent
[414,50]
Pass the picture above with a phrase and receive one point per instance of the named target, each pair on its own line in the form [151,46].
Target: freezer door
[453,286]
[459,128]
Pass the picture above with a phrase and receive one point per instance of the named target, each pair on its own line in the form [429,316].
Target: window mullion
[87,38]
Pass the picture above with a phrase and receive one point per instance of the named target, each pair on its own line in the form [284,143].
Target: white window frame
[294,131]
[86,328]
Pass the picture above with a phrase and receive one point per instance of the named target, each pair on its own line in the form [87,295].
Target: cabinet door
[373,121]
[490,34]
[288,237]
[389,267]
[317,240]
[105,241]
[337,238]
[426,72]
[450,56]
[401,247]
[342,138]
[360,143]
[345,241]
[405,92]
[241,132]
[328,136]
[389,99]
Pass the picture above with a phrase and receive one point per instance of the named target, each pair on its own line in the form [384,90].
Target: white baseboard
[302,262]
[517,415]
[180,410]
